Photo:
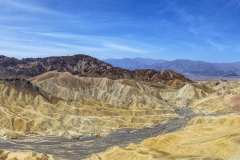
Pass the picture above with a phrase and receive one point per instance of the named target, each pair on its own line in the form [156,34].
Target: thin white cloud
[78,48]
[36,46]
[125,48]
[218,46]
[102,41]
[71,36]
[27,6]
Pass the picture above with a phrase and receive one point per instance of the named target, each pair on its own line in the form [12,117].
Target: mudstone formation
[81,96]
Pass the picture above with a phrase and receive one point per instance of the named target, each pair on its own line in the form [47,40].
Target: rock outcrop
[76,96]
[63,104]
[23,155]
[122,93]
[81,65]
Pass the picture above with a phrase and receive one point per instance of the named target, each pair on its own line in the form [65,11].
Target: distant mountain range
[192,69]
[134,63]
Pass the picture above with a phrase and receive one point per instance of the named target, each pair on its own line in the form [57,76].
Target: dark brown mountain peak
[81,65]
[8,61]
[153,75]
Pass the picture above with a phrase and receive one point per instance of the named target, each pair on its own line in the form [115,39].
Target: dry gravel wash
[76,149]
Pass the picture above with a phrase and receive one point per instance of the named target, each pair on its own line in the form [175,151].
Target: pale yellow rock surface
[84,106]
[23,155]
[224,98]
[77,106]
[205,138]
[213,135]
[118,93]
[185,95]
[96,106]
[207,97]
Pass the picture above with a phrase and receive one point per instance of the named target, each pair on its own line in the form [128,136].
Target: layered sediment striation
[63,104]
[163,114]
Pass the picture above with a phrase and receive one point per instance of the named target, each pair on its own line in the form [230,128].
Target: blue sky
[160,29]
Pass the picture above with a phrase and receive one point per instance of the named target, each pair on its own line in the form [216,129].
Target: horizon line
[122,58]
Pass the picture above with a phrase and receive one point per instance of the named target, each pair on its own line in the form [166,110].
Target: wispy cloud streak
[28,6]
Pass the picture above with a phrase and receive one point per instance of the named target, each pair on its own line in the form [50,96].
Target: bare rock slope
[81,65]
[79,95]
[62,104]
[212,134]
[75,95]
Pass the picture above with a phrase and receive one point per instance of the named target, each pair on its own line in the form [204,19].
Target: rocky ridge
[63,104]
[87,103]
[81,65]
